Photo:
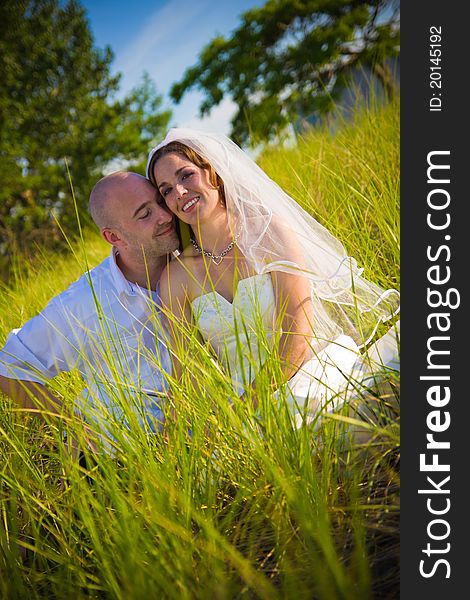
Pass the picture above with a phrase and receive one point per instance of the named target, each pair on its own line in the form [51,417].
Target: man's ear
[112,237]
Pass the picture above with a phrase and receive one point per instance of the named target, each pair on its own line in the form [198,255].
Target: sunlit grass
[246,505]
[349,180]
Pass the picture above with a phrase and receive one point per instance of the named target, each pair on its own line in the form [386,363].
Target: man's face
[144,225]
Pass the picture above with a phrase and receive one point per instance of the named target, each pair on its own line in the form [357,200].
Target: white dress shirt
[107,328]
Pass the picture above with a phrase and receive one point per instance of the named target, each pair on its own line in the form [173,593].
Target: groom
[106,324]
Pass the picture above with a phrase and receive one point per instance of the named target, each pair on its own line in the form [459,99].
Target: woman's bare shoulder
[284,245]
[180,275]
[172,280]
[281,228]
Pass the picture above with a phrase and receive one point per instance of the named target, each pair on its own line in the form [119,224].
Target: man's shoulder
[83,293]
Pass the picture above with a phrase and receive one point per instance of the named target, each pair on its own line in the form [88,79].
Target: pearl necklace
[215,258]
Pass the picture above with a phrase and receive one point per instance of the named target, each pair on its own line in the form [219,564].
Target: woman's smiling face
[186,188]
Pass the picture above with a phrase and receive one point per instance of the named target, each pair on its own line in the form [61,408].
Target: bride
[255,256]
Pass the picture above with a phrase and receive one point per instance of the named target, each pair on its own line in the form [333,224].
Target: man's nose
[163,214]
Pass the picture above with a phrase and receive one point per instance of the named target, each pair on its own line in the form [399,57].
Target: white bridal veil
[275,233]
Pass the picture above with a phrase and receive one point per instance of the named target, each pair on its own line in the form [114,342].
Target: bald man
[107,323]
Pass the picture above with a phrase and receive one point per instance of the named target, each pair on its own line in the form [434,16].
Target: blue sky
[164,37]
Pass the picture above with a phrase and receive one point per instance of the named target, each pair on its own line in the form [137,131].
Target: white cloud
[170,42]
[167,44]
[218,120]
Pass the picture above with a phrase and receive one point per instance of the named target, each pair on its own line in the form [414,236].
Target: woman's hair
[192,156]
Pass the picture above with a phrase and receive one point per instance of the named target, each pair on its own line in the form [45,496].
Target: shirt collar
[123,286]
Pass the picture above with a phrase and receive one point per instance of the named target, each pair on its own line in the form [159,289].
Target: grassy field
[245,508]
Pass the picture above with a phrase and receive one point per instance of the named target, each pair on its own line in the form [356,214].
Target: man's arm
[33,396]
[34,354]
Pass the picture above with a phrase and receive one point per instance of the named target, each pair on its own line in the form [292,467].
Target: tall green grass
[349,179]
[244,506]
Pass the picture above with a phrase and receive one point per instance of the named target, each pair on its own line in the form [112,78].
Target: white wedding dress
[324,382]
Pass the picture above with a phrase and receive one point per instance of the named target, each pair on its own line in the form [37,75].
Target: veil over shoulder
[276,234]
